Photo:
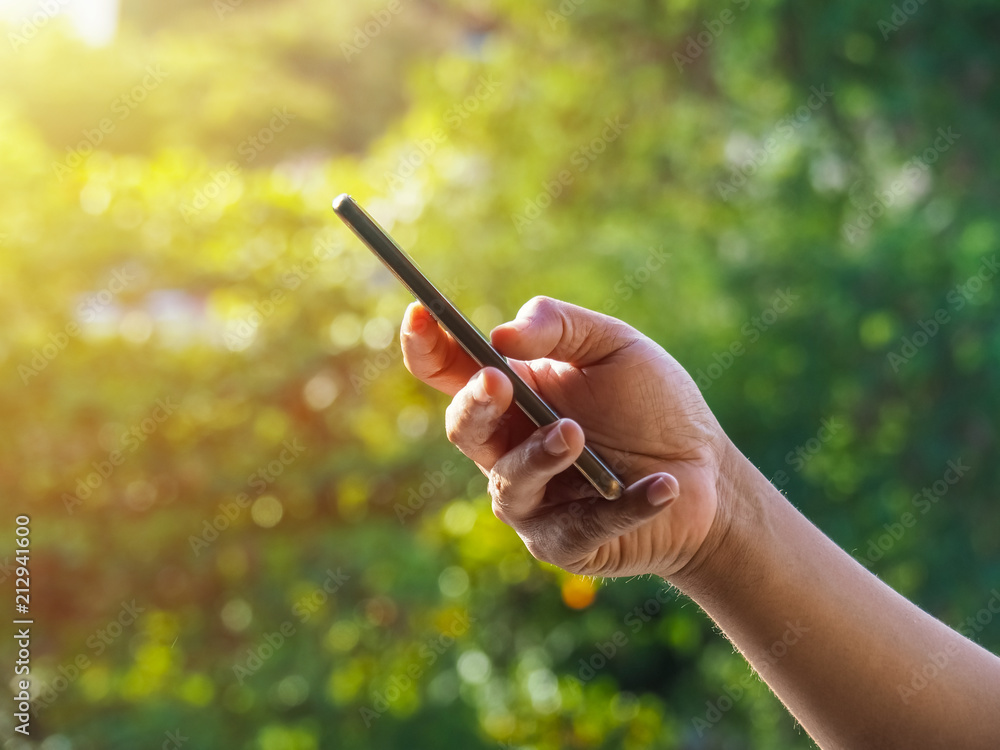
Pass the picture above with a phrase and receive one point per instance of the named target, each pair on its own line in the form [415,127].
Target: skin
[842,650]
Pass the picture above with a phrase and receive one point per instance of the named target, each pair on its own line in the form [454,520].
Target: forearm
[837,646]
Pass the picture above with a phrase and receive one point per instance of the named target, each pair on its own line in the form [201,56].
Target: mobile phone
[466,334]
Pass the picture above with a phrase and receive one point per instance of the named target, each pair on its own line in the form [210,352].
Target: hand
[643,415]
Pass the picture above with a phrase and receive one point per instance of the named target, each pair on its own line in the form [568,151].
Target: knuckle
[420,365]
[497,486]
[410,360]
[499,489]
[537,304]
[468,423]
[453,424]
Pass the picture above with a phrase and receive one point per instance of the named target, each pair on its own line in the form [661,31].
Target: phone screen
[466,334]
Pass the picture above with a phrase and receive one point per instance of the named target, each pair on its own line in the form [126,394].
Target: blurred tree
[249,528]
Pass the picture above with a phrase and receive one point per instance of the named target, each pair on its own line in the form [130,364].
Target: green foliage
[620,155]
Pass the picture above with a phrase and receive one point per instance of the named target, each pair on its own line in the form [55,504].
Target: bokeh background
[285,553]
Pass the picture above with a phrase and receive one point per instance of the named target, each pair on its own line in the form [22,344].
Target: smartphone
[466,334]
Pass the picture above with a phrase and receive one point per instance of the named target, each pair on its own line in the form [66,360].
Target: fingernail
[662,491]
[554,442]
[413,326]
[479,390]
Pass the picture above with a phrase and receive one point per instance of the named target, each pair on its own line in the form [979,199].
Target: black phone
[466,334]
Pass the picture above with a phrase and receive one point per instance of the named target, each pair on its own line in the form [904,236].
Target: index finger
[549,328]
[431,354]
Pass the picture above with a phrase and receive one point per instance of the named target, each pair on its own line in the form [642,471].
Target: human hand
[644,416]
[833,642]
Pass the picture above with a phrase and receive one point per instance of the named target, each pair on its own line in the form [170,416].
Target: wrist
[737,529]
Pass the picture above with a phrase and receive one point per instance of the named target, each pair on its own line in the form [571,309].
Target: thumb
[546,327]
